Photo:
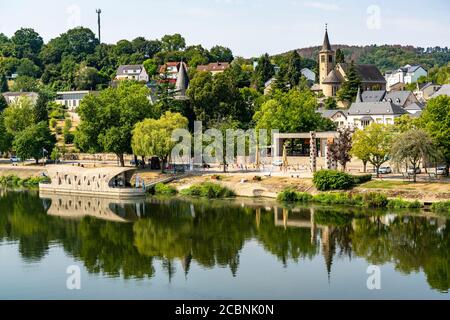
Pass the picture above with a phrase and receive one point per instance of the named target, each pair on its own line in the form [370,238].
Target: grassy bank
[368,200]
[208,190]
[13,181]
[441,208]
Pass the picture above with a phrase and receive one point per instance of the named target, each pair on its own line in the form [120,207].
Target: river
[222,249]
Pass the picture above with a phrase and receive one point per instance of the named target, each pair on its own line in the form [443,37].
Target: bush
[403,204]
[326,180]
[164,189]
[362,179]
[208,190]
[15,181]
[375,200]
[257,178]
[53,123]
[68,137]
[290,195]
[59,130]
[441,207]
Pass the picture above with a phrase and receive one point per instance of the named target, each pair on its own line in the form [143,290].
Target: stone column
[313,152]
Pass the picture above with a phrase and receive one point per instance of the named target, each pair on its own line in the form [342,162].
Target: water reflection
[125,239]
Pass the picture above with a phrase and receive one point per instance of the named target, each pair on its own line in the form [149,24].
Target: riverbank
[246,185]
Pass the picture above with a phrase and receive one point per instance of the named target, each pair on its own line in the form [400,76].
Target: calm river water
[229,249]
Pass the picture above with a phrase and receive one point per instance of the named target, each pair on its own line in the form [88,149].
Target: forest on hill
[387,57]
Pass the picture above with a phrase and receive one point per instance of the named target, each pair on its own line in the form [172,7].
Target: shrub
[333,198]
[53,123]
[362,179]
[59,130]
[375,200]
[257,178]
[441,207]
[403,204]
[164,189]
[14,181]
[326,180]
[289,195]
[68,137]
[208,190]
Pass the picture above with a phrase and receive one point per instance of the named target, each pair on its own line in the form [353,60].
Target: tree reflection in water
[213,234]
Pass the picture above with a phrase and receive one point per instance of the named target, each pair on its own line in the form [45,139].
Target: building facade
[71,99]
[132,72]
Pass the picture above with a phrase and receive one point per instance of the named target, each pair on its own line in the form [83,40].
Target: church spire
[326,41]
[358,95]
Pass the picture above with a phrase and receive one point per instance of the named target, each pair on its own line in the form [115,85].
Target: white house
[339,117]
[71,99]
[309,74]
[407,74]
[400,98]
[132,72]
[12,97]
[362,114]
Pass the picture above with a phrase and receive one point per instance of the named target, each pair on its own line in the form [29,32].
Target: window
[330,59]
[322,58]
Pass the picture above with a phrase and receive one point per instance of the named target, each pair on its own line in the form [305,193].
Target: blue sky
[249,27]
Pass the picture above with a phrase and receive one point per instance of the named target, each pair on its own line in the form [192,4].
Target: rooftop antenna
[99,11]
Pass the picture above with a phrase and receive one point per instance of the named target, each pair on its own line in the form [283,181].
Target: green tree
[330,103]
[27,44]
[88,78]
[25,84]
[28,68]
[264,71]
[350,87]
[19,115]
[412,146]
[221,54]
[34,141]
[108,118]
[3,103]
[173,42]
[5,137]
[40,109]
[151,66]
[154,137]
[3,84]
[293,111]
[436,121]
[294,69]
[373,144]
[340,57]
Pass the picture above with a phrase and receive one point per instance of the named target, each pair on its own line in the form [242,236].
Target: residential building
[332,75]
[339,117]
[214,68]
[169,71]
[71,99]
[269,85]
[407,74]
[424,91]
[400,98]
[443,91]
[12,97]
[309,75]
[132,72]
[361,114]
[415,108]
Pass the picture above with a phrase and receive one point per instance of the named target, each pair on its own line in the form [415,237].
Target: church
[332,75]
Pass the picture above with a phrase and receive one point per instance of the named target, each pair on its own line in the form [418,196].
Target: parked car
[15,159]
[277,163]
[385,170]
[441,171]
[411,170]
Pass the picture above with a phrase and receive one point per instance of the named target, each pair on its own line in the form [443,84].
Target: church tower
[326,58]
